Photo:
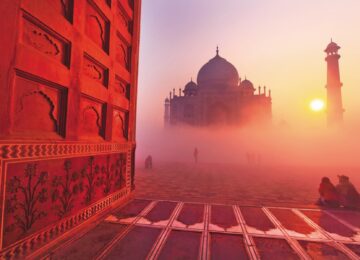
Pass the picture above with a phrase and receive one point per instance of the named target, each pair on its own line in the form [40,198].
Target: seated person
[328,194]
[349,196]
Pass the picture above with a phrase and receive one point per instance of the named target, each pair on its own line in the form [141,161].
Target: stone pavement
[236,184]
[153,229]
[207,211]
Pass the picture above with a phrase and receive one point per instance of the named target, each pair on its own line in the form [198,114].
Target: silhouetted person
[148,162]
[328,194]
[349,196]
[196,154]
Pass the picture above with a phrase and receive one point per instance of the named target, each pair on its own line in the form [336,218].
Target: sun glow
[317,105]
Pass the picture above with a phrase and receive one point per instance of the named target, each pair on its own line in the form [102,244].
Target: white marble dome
[218,72]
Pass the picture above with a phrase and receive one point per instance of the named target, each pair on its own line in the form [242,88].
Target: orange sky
[277,43]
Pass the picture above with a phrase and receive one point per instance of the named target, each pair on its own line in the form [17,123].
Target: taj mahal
[218,97]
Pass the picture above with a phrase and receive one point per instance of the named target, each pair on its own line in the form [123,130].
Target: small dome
[190,86]
[190,89]
[247,84]
[218,71]
[332,47]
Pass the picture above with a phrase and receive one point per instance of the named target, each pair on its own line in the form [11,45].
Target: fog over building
[219,97]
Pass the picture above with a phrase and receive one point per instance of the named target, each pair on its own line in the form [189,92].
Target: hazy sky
[277,43]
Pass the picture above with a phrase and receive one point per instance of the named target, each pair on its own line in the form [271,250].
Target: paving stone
[354,248]
[350,216]
[331,225]
[256,220]
[222,217]
[293,223]
[272,248]
[322,250]
[91,243]
[161,212]
[224,246]
[181,245]
[135,245]
[191,215]
[132,209]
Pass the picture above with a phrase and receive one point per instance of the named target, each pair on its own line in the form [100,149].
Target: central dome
[218,72]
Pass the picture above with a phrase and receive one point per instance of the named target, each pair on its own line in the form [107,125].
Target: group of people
[343,194]
[149,159]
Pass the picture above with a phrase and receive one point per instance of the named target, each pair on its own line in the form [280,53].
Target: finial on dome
[331,39]
[217,50]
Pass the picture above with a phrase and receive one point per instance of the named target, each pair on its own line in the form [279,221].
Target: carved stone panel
[36,35]
[131,3]
[108,2]
[63,7]
[40,193]
[122,87]
[122,52]
[95,70]
[39,107]
[97,26]
[123,18]
[92,122]
[120,125]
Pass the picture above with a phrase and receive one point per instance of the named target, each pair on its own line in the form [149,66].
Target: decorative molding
[10,151]
[48,100]
[97,26]
[94,70]
[122,52]
[122,87]
[43,39]
[120,124]
[44,236]
[27,245]
[123,17]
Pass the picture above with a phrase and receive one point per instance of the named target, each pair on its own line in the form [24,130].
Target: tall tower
[167,112]
[334,100]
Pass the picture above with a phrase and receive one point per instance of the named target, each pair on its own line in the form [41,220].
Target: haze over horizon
[275,43]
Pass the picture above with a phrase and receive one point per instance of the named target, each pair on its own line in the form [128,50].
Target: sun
[317,105]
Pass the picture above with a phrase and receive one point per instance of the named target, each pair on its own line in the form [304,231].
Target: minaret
[334,100]
[167,113]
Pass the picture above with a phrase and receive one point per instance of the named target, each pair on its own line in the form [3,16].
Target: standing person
[328,194]
[148,162]
[349,196]
[196,153]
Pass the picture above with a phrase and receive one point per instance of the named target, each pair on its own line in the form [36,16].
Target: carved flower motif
[14,185]
[43,195]
[56,181]
[30,170]
[97,169]
[43,177]
[75,176]
[67,165]
[55,195]
[76,189]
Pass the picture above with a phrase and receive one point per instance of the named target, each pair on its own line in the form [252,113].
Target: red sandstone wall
[68,79]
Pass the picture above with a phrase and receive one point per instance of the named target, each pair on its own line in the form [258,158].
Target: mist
[275,145]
